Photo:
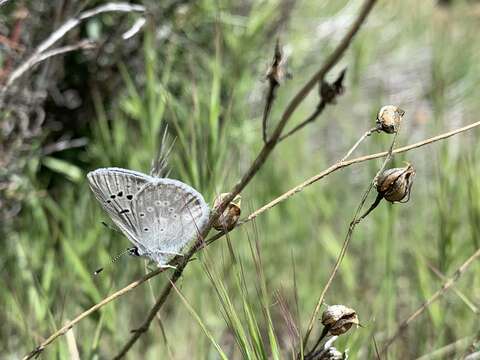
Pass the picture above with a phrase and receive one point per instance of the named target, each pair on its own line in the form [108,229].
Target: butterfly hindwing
[170,215]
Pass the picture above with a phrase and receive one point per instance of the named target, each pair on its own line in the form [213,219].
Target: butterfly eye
[112,196]
[120,194]
[142,214]
[129,197]
[170,209]
[145,229]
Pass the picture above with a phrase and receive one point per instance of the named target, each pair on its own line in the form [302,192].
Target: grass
[206,84]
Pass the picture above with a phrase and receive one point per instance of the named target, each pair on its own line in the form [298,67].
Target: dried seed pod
[338,319]
[329,92]
[278,72]
[228,219]
[389,117]
[395,184]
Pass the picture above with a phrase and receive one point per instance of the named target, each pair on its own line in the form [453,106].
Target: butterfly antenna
[114,259]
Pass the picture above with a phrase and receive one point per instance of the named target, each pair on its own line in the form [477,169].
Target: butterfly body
[160,216]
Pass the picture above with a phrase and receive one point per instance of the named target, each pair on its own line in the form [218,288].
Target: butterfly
[160,216]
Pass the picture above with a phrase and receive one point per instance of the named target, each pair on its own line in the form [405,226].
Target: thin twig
[446,352]
[251,217]
[445,287]
[136,27]
[60,33]
[64,145]
[81,45]
[254,167]
[94,308]
[355,221]
[319,340]
[462,296]
[319,109]
[363,137]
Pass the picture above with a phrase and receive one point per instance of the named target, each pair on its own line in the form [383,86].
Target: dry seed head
[277,71]
[338,319]
[396,184]
[389,118]
[329,92]
[229,218]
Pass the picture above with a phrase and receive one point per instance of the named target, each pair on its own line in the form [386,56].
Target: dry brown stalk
[461,295]
[355,221]
[445,287]
[70,324]
[313,116]
[448,350]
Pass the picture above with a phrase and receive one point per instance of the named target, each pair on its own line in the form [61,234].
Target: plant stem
[355,221]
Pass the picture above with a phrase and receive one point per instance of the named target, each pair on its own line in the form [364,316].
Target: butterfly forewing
[116,191]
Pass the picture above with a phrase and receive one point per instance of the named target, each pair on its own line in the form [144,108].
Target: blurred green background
[199,67]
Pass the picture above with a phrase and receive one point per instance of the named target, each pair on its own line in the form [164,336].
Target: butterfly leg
[166,266]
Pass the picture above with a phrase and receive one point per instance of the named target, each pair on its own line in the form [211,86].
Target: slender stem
[363,137]
[268,107]
[377,201]
[319,340]
[307,121]
[355,221]
[469,303]
[94,308]
[445,287]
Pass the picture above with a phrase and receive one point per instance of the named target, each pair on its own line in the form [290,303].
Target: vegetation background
[199,67]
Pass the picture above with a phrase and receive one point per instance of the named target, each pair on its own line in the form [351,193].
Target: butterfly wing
[116,189]
[170,216]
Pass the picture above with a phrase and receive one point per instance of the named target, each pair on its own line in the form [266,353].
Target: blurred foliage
[197,69]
